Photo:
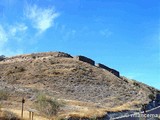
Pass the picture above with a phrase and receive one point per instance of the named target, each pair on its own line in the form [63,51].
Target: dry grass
[82,110]
[90,110]
[125,106]
[79,103]
[89,113]
[26,114]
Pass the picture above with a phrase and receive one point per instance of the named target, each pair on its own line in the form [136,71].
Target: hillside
[79,84]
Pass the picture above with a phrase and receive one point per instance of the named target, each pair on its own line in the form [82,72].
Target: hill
[84,87]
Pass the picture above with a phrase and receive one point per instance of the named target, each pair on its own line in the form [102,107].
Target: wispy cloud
[8,52]
[106,32]
[41,18]
[17,28]
[69,34]
[33,21]
[3,36]
[17,31]
[11,33]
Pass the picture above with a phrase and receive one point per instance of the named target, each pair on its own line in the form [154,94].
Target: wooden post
[29,115]
[32,115]
[23,101]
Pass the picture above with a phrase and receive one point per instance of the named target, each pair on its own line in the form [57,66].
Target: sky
[122,34]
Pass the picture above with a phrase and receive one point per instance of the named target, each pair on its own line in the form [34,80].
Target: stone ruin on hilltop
[99,65]
[58,54]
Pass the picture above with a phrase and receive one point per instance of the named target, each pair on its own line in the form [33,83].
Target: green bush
[47,106]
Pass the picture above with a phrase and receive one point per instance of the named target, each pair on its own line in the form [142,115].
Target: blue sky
[122,34]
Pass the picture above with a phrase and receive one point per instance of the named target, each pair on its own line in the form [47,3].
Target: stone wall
[157,100]
[115,72]
[85,59]
[158,97]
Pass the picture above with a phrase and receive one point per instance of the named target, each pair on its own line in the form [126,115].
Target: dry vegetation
[47,107]
[8,115]
[87,91]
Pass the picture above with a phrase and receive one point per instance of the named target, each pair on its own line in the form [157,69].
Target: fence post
[29,115]
[23,101]
[32,115]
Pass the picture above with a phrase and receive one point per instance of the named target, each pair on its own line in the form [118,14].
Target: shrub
[20,69]
[47,106]
[52,62]
[8,115]
[3,95]
[136,84]
[15,70]
[33,56]
[151,96]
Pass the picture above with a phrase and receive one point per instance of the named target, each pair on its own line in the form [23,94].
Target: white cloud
[41,18]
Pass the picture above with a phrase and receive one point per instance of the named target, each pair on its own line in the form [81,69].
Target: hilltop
[79,82]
